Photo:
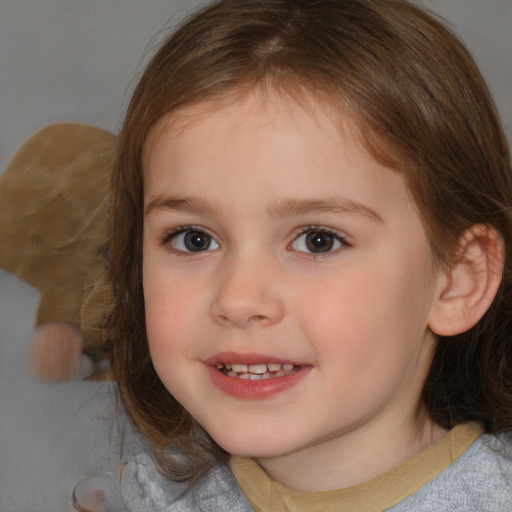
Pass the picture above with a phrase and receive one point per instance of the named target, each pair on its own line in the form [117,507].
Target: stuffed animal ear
[468,287]
[53,215]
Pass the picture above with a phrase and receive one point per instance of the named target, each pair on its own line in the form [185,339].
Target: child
[310,251]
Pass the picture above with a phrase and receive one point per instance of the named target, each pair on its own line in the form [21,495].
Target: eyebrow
[186,204]
[335,204]
[287,207]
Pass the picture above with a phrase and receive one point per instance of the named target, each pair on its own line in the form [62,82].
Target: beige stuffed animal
[53,215]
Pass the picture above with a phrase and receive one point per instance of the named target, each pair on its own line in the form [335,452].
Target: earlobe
[467,288]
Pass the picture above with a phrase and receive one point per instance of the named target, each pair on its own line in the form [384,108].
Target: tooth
[258,369]
[232,374]
[219,366]
[288,366]
[239,368]
[274,367]
[253,376]
[227,366]
[245,376]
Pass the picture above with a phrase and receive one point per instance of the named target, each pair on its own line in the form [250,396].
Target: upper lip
[247,358]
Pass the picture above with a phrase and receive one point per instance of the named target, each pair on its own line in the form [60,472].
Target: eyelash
[317,230]
[171,235]
[337,237]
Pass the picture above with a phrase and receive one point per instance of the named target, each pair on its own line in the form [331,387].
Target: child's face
[272,238]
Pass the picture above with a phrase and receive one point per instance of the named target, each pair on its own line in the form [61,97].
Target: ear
[467,288]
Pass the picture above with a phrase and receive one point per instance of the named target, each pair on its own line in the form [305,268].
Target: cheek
[168,331]
[169,307]
[369,317]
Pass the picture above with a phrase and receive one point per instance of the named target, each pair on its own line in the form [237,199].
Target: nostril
[224,319]
[242,303]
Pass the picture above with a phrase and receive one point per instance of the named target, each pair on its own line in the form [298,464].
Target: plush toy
[53,222]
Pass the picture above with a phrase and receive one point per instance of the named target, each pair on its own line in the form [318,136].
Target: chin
[254,445]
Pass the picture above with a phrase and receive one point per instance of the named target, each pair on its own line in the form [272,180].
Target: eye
[191,240]
[318,241]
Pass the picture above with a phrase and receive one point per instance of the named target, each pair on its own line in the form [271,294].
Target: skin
[257,174]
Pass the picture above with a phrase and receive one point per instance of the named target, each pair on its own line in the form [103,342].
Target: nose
[248,294]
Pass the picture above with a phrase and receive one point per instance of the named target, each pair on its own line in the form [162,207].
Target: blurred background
[76,61]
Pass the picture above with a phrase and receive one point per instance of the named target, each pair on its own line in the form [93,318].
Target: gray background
[75,60]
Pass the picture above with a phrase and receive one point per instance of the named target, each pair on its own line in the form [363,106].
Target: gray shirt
[480,480]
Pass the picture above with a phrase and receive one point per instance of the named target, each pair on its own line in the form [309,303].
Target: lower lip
[255,389]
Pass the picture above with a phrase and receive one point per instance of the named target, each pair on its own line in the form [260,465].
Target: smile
[258,371]
[246,376]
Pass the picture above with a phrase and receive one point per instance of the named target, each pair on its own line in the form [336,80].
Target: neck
[352,457]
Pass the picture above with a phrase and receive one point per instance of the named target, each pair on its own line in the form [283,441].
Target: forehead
[241,122]
[252,101]
[290,98]
[257,150]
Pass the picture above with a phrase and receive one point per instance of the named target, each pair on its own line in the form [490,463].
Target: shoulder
[144,489]
[480,480]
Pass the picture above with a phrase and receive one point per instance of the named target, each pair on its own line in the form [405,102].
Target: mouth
[258,371]
[254,376]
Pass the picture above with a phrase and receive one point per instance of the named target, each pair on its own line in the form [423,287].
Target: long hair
[421,107]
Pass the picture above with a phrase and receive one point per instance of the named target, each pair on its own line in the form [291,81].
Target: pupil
[319,242]
[196,241]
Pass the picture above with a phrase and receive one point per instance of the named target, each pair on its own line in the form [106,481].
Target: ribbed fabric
[377,494]
[464,471]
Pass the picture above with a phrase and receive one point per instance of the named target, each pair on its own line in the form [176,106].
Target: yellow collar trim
[376,494]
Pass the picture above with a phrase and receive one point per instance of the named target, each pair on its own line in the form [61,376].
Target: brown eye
[317,241]
[193,241]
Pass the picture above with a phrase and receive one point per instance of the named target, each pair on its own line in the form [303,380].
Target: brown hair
[421,106]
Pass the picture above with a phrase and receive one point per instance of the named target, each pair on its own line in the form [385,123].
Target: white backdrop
[74,60]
